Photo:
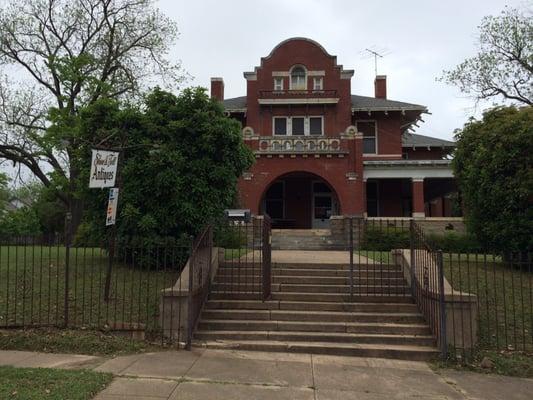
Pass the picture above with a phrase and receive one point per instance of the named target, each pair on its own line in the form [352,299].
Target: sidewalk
[219,374]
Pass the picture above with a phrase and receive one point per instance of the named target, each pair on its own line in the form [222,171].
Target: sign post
[104,171]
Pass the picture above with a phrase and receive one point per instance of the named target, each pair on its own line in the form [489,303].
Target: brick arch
[298,171]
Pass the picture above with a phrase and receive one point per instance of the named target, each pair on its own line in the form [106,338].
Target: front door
[322,205]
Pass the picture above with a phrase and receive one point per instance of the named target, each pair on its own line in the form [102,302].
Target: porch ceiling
[414,169]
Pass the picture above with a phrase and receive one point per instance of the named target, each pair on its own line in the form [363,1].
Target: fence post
[442,304]
[412,255]
[350,247]
[190,309]
[68,220]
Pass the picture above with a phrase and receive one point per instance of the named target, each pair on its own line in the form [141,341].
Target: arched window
[298,78]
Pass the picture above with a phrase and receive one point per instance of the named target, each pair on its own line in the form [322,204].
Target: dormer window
[318,83]
[298,78]
[278,84]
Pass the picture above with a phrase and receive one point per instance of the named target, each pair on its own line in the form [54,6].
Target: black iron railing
[200,275]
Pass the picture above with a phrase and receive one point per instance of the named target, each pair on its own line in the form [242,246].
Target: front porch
[410,188]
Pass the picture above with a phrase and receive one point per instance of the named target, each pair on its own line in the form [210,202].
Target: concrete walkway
[233,375]
[309,257]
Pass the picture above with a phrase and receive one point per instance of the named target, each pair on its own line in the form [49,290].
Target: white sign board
[112,207]
[103,169]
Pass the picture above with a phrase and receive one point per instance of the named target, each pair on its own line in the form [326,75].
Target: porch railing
[291,94]
[301,144]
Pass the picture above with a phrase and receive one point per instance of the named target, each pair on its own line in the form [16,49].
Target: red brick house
[321,151]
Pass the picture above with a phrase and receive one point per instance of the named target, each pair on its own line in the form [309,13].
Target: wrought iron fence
[427,283]
[46,282]
[501,288]
[471,298]
[245,271]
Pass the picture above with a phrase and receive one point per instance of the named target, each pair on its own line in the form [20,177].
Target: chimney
[380,87]
[217,89]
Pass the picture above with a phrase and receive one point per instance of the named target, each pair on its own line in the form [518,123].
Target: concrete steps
[303,239]
[311,311]
[401,352]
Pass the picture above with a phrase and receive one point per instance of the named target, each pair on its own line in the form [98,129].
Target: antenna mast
[376,55]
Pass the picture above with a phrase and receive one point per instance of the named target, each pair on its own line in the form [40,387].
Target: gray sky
[225,38]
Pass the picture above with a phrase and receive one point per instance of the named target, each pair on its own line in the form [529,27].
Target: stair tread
[318,334]
[298,312]
[332,345]
[303,323]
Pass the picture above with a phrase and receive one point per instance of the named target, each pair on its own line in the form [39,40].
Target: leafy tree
[4,192]
[493,166]
[180,165]
[503,66]
[64,55]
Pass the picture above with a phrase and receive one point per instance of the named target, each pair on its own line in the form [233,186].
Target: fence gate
[245,271]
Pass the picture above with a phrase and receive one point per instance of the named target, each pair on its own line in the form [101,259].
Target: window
[298,126]
[298,78]
[368,129]
[278,84]
[280,126]
[315,125]
[318,83]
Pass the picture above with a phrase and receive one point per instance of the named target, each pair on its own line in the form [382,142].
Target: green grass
[32,289]
[230,254]
[504,363]
[72,342]
[50,384]
[505,300]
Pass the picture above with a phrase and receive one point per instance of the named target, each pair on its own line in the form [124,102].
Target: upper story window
[298,126]
[278,84]
[369,131]
[318,83]
[298,78]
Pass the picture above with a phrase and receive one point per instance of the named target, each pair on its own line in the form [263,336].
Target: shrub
[385,238]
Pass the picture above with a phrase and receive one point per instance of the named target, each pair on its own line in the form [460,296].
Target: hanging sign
[103,169]
[112,207]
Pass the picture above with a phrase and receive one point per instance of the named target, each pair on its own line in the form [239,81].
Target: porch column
[418,198]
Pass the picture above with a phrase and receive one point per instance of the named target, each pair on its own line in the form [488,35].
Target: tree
[58,56]
[492,164]
[503,66]
[180,164]
[4,192]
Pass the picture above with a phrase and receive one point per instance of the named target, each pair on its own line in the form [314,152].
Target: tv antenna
[376,53]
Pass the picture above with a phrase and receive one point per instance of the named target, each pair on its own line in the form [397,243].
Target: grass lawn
[52,384]
[503,363]
[32,288]
[49,340]
[230,254]
[505,300]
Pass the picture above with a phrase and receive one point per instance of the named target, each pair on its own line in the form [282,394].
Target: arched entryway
[300,200]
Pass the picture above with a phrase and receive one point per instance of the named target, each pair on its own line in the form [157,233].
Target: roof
[359,103]
[235,104]
[364,103]
[414,140]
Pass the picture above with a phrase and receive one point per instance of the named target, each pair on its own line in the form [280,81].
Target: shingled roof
[359,103]
[364,103]
[414,140]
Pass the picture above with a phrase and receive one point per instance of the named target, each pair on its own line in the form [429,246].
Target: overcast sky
[225,38]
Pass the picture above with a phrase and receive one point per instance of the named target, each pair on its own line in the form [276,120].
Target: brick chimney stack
[217,89]
[380,87]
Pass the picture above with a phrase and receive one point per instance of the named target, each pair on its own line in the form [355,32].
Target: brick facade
[299,80]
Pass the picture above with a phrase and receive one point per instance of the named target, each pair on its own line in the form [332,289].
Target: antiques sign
[103,169]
